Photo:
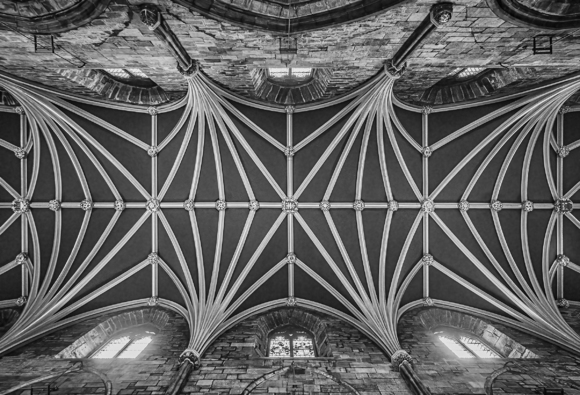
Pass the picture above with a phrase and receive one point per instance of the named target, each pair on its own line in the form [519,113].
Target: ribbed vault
[220,208]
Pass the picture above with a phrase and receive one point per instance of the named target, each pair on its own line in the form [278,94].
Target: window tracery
[291,342]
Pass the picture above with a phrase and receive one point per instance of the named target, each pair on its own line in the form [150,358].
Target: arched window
[126,345]
[291,342]
[131,76]
[467,72]
[467,347]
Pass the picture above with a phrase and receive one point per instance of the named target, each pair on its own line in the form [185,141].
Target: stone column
[439,15]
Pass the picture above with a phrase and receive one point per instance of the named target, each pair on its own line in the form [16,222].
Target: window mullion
[465,347]
[125,347]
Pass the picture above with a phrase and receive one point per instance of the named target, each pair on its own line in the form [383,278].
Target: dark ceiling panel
[305,124]
[272,158]
[273,123]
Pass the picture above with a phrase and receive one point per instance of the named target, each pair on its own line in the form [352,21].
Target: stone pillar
[151,16]
[189,360]
[412,380]
[402,362]
[439,15]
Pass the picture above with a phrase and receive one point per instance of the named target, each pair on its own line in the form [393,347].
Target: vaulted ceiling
[368,201]
[218,207]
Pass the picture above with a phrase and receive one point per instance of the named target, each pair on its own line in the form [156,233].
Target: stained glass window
[303,346]
[280,347]
[291,342]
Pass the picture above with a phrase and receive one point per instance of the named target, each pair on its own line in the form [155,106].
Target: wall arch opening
[133,325]
[455,325]
[272,322]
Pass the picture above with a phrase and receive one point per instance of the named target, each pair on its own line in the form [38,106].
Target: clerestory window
[134,77]
[465,73]
[291,342]
[125,346]
[290,75]
[467,347]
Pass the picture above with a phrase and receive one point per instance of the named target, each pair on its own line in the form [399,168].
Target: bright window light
[462,73]
[291,73]
[457,348]
[125,347]
[119,73]
[301,73]
[126,74]
[478,348]
[135,348]
[278,73]
[137,73]
[112,348]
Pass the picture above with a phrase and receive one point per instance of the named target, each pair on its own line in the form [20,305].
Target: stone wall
[232,363]
[444,373]
[355,51]
[150,373]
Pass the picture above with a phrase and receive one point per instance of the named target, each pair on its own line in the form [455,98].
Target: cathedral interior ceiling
[218,207]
